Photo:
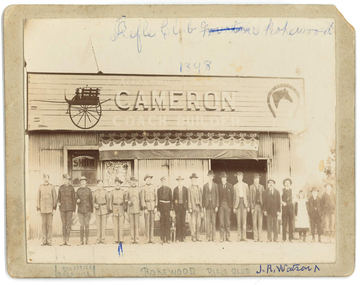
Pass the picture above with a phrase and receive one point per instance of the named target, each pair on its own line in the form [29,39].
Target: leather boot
[87,230]
[81,236]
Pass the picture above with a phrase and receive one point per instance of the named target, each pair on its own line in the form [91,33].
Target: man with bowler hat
[241,205]
[164,196]
[118,202]
[101,205]
[226,196]
[67,204]
[256,204]
[84,201]
[287,209]
[195,207]
[211,205]
[315,211]
[180,198]
[149,204]
[134,204]
[271,210]
[46,201]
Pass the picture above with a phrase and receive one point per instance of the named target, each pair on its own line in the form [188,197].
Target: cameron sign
[158,102]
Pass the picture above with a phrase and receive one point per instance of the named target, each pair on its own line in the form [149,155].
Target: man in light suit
[149,204]
[211,205]
[271,210]
[195,207]
[256,204]
[180,198]
[241,205]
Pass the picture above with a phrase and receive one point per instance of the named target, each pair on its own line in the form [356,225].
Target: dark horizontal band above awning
[172,154]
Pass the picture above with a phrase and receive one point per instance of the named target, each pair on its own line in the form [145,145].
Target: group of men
[209,199]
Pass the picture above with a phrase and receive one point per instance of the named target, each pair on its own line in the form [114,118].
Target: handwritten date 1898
[196,66]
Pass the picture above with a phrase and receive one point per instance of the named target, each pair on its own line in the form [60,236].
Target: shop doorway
[248,167]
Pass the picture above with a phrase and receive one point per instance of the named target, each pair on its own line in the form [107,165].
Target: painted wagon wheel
[85,116]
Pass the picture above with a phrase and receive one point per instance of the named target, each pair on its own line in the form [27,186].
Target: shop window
[83,163]
[122,169]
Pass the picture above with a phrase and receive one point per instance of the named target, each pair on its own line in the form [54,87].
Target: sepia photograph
[182,145]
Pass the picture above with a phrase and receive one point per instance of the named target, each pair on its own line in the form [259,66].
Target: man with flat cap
[195,207]
[256,205]
[315,211]
[84,201]
[211,205]
[149,204]
[134,204]
[241,205]
[101,205]
[67,205]
[46,204]
[117,206]
[226,196]
[164,202]
[180,198]
[271,210]
[287,209]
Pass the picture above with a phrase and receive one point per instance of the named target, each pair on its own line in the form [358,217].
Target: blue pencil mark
[120,249]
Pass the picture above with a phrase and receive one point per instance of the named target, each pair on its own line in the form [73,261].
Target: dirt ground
[204,252]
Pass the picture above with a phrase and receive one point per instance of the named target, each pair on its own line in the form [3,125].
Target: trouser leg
[103,227]
[269,226]
[243,222]
[146,217]
[69,215]
[63,222]
[260,221]
[49,228]
[116,228]
[136,223]
[285,218]
[213,224]
[222,222]
[82,228]
[178,225]
[167,222]
[43,228]
[291,227]
[151,225]
[238,221]
[98,227]
[121,228]
[275,227]
[193,224]
[255,226]
[208,223]
[132,226]
[87,229]
[227,222]
[198,224]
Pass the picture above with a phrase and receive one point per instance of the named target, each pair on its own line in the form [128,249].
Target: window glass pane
[116,168]
[91,176]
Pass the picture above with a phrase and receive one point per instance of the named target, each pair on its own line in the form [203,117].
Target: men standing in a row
[256,202]
[46,204]
[180,198]
[226,195]
[134,205]
[287,209]
[84,200]
[164,202]
[271,210]
[101,205]
[149,204]
[315,208]
[67,205]
[118,202]
[210,202]
[195,208]
[241,205]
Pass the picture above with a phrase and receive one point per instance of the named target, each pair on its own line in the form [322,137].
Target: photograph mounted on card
[160,146]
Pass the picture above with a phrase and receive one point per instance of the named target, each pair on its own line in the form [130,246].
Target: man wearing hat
[117,206]
[84,201]
[101,205]
[226,196]
[211,205]
[46,204]
[329,203]
[287,209]
[241,205]
[134,204]
[315,211]
[67,204]
[195,207]
[271,210]
[180,199]
[256,205]
[148,203]
[164,202]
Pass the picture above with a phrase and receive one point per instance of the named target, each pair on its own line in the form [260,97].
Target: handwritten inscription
[197,66]
[287,268]
[142,29]
[75,270]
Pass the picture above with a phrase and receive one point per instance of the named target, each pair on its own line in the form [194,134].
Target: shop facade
[103,126]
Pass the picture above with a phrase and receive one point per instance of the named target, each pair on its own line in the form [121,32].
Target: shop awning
[168,145]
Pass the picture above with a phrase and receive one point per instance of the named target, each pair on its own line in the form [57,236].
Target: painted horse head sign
[142,102]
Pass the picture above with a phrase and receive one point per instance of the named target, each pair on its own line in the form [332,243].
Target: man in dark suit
[287,209]
[180,198]
[315,207]
[271,210]
[211,205]
[256,204]
[226,195]
[164,202]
